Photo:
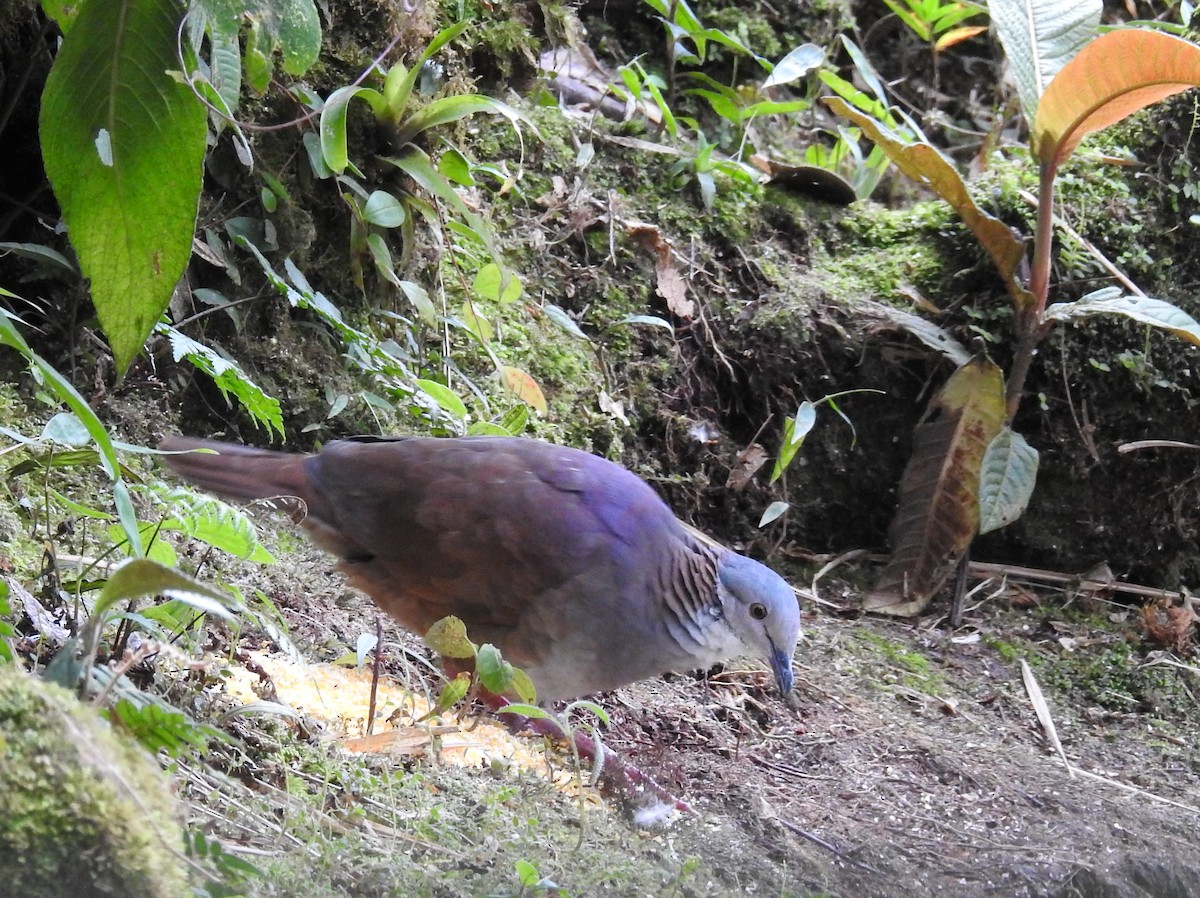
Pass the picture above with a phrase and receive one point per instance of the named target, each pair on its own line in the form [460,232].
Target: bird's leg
[617,776]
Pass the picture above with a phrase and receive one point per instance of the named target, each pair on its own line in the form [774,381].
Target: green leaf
[454,165]
[1040,38]
[45,256]
[1155,312]
[448,637]
[523,686]
[222,20]
[333,124]
[67,429]
[142,577]
[1006,480]
[652,320]
[228,377]
[527,875]
[397,90]
[564,321]
[794,432]
[384,210]
[216,523]
[61,387]
[774,510]
[131,218]
[496,283]
[446,399]
[451,109]
[487,429]
[533,712]
[419,297]
[159,728]
[494,673]
[798,63]
[516,419]
[450,695]
[297,29]
[415,163]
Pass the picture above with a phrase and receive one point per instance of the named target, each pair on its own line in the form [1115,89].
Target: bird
[571,565]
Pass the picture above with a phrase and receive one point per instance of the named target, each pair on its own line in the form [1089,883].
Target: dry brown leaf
[1170,626]
[938,511]
[670,283]
[748,463]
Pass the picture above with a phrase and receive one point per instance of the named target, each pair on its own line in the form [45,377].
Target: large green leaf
[1145,309]
[123,143]
[1039,38]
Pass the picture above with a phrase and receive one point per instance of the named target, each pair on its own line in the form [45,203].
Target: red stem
[1030,329]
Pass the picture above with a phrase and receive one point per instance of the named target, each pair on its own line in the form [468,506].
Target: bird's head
[762,611]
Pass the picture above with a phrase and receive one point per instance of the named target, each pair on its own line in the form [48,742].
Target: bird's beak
[781,664]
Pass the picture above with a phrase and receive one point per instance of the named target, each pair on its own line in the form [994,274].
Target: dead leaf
[673,288]
[670,283]
[410,741]
[938,511]
[1170,626]
[614,408]
[747,464]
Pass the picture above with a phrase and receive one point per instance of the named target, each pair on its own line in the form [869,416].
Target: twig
[833,849]
[982,570]
[375,674]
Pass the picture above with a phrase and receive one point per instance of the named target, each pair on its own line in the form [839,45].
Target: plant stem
[1043,242]
[1028,323]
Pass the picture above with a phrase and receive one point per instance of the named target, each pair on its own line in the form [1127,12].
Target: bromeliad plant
[375,212]
[970,471]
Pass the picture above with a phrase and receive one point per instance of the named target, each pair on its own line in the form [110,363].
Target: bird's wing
[507,534]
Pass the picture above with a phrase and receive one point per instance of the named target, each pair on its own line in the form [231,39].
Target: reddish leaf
[523,387]
[938,510]
[1112,77]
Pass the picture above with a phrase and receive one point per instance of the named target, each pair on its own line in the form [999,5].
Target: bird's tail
[237,472]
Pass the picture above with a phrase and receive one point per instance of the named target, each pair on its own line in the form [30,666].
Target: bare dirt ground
[909,762]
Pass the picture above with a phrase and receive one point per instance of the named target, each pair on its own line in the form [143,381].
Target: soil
[909,761]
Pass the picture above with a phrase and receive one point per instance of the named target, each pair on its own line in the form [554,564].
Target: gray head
[762,611]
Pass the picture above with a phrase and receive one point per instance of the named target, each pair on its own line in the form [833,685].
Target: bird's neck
[693,613]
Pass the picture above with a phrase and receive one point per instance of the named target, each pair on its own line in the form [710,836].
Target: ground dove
[571,565]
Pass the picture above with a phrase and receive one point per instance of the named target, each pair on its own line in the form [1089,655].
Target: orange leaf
[1113,76]
[523,387]
[925,165]
[957,36]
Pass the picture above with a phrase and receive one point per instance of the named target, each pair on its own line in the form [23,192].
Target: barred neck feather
[688,585]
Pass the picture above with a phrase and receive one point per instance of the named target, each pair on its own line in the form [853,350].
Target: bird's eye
[758,611]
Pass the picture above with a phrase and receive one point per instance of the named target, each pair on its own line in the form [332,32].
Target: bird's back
[527,542]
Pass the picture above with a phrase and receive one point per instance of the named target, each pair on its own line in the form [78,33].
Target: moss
[84,812]
[915,670]
[1006,650]
[894,248]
